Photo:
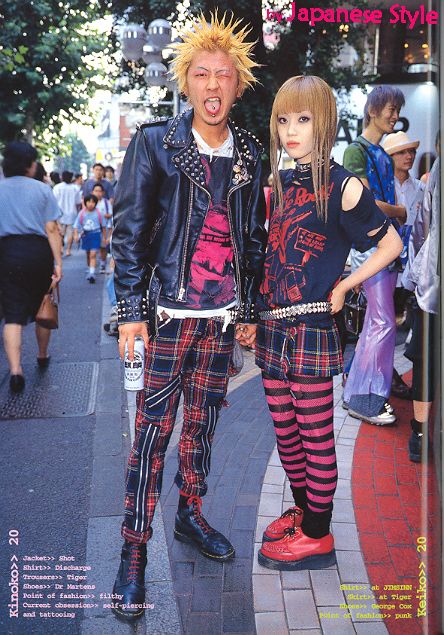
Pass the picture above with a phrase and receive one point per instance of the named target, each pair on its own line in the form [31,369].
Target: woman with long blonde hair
[320,210]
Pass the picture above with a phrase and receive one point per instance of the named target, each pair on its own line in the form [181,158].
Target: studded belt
[296,309]
[233,313]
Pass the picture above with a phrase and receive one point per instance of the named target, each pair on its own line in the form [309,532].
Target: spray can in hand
[134,369]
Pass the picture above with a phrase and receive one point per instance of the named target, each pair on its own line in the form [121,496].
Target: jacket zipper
[185,245]
[236,253]
[182,289]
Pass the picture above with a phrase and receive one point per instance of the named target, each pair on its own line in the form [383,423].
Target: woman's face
[295,131]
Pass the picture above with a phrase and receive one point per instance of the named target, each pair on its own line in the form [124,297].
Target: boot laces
[196,503]
[290,532]
[134,563]
[292,512]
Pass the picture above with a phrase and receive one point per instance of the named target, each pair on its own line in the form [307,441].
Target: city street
[63,482]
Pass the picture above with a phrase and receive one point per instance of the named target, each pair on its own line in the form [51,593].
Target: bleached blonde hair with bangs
[306,92]
[218,35]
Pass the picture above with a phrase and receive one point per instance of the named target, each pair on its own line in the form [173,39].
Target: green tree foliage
[300,48]
[51,54]
[74,153]
[10,57]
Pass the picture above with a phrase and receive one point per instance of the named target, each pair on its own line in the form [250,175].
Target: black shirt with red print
[305,255]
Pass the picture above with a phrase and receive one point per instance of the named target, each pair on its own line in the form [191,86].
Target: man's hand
[246,334]
[127,333]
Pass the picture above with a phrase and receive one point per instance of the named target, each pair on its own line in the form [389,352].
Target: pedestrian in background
[69,199]
[427,159]
[105,209]
[110,175]
[98,177]
[30,253]
[40,174]
[89,227]
[369,380]
[423,277]
[78,181]
[54,178]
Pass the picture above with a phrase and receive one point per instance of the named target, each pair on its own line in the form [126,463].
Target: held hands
[127,333]
[246,334]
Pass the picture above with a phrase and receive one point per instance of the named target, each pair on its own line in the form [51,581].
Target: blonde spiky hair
[218,35]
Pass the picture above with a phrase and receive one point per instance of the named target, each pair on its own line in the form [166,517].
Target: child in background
[320,209]
[106,210]
[89,226]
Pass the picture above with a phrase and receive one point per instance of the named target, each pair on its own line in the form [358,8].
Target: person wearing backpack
[106,209]
[369,380]
[89,226]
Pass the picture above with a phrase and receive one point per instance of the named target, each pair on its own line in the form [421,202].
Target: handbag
[354,311]
[48,313]
[237,360]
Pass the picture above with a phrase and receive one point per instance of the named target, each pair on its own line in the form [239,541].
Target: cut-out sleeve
[365,217]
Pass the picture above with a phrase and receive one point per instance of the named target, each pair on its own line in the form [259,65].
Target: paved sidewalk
[189,594]
[213,597]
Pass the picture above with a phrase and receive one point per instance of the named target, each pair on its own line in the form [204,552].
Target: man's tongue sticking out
[212,106]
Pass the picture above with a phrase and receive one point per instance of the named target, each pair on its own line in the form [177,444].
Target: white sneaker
[384,418]
[387,406]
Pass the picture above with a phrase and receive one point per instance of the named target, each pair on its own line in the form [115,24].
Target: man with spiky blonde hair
[188,245]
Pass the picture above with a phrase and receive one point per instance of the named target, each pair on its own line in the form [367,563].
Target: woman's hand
[127,333]
[337,298]
[56,276]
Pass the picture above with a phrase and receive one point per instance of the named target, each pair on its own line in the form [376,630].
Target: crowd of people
[41,216]
[203,259]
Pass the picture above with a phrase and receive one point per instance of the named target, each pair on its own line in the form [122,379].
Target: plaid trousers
[190,356]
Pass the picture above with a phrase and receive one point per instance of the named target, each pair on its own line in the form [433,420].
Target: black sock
[316,524]
[417,426]
[300,496]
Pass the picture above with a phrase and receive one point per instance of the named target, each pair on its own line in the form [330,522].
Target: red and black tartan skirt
[284,349]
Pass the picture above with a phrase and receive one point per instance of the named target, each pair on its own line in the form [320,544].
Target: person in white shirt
[410,193]
[69,199]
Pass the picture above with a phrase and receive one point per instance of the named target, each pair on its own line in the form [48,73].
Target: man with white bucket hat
[403,152]
[410,193]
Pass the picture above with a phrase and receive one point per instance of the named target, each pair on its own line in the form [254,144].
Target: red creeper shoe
[290,519]
[296,551]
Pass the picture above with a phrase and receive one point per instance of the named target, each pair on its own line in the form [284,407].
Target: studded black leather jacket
[160,208]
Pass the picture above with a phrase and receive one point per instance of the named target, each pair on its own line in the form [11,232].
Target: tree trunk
[29,128]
